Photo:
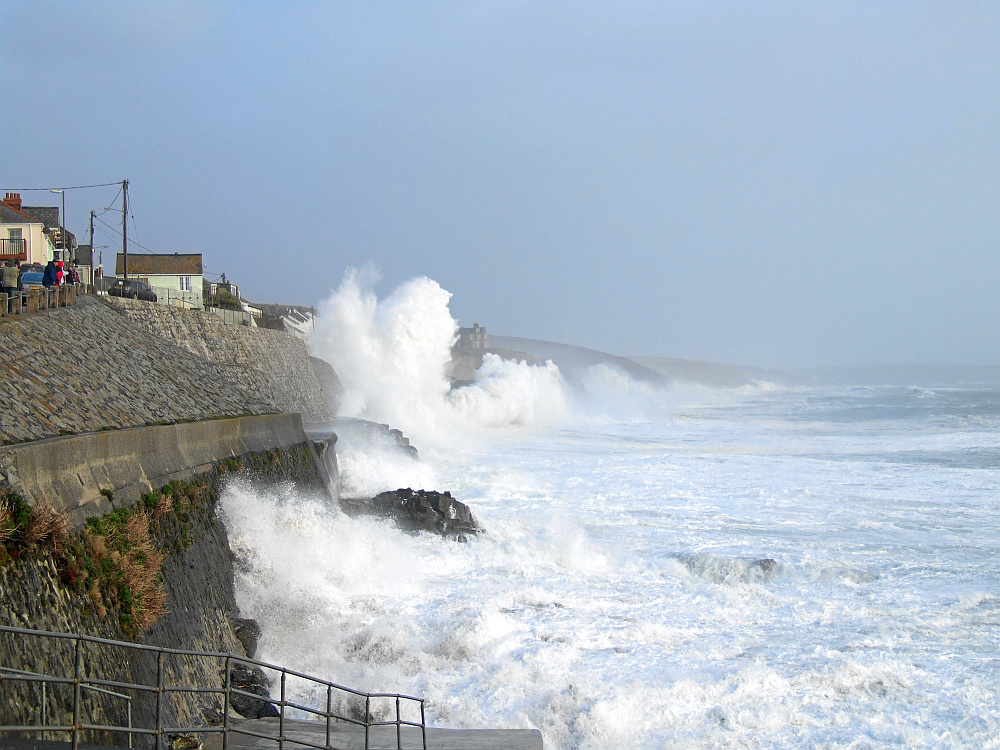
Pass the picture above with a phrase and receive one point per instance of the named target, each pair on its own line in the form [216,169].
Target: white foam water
[771,568]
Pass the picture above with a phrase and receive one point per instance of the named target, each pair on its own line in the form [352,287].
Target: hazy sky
[801,183]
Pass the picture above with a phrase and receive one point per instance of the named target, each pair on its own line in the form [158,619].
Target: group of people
[56,275]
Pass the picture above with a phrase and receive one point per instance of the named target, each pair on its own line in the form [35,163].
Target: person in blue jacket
[49,277]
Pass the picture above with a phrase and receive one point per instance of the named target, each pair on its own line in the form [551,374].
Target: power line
[73,187]
[117,233]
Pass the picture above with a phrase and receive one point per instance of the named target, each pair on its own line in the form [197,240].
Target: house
[473,338]
[83,259]
[176,278]
[23,237]
[49,216]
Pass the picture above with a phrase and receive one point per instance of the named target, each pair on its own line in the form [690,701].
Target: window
[185,283]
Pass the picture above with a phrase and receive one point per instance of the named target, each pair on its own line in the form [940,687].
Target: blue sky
[785,184]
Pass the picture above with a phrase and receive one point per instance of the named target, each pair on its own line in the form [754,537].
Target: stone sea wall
[198,578]
[107,363]
[272,365]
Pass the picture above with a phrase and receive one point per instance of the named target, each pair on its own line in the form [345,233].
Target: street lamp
[62,223]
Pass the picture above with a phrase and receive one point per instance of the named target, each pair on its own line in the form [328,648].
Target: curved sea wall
[197,579]
[107,363]
[80,474]
[106,403]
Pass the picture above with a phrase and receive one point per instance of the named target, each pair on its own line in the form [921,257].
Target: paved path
[382,738]
[342,737]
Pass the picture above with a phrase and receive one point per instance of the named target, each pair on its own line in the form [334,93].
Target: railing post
[281,714]
[399,728]
[225,710]
[368,718]
[159,700]
[77,690]
[423,723]
[329,710]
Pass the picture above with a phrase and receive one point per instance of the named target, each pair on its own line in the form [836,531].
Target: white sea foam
[392,356]
[617,598]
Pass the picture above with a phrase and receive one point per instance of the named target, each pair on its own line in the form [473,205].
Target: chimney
[13,200]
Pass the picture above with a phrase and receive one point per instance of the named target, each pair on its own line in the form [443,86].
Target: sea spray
[623,595]
[392,357]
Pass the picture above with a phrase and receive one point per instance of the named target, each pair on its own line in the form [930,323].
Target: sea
[668,566]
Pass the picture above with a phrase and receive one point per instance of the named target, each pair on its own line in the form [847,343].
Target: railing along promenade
[39,300]
[80,682]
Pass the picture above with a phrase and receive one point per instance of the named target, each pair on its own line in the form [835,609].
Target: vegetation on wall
[116,559]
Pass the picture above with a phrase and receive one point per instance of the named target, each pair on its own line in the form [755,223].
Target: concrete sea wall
[108,399]
[77,474]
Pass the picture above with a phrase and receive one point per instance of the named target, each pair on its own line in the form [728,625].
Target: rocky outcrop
[422,510]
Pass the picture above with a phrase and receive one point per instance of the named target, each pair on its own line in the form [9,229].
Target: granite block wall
[106,363]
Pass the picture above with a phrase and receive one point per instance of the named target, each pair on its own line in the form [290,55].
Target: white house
[23,238]
[176,278]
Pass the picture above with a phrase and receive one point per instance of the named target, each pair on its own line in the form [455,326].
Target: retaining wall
[107,363]
[71,472]
[273,365]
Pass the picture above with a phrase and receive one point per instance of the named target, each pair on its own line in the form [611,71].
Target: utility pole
[125,228]
[93,267]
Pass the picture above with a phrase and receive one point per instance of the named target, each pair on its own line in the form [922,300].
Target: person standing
[49,277]
[8,283]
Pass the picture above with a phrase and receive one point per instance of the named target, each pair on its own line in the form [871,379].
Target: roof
[173,264]
[10,215]
[48,215]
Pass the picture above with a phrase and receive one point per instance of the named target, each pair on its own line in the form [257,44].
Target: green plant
[227,300]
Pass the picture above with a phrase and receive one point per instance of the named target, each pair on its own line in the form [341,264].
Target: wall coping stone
[70,472]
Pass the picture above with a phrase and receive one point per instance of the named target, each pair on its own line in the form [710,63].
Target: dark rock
[427,511]
[768,567]
[247,632]
[250,680]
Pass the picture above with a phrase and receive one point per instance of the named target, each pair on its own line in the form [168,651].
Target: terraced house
[176,278]
[24,237]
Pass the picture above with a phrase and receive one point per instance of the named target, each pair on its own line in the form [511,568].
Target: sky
[794,184]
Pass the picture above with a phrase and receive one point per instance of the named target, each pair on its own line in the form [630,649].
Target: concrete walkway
[350,737]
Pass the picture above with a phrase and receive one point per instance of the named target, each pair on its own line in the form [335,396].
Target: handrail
[46,679]
[162,693]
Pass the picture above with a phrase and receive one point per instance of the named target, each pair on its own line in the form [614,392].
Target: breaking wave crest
[392,357]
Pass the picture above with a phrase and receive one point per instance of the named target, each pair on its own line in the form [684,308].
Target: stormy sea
[662,566]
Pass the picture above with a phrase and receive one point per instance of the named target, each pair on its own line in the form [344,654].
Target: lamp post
[62,223]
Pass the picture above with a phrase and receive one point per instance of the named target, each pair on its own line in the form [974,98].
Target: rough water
[780,568]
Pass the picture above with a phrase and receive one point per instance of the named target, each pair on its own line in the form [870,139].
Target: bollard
[33,297]
[4,302]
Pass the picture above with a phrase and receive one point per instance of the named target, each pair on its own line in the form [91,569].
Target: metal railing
[161,692]
[13,249]
[45,722]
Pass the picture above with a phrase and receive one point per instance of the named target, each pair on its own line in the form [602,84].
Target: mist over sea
[766,566]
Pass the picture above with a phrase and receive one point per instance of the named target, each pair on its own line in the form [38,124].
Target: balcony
[13,250]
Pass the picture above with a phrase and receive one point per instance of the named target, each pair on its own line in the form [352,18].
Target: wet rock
[187,741]
[250,680]
[427,511]
[247,632]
